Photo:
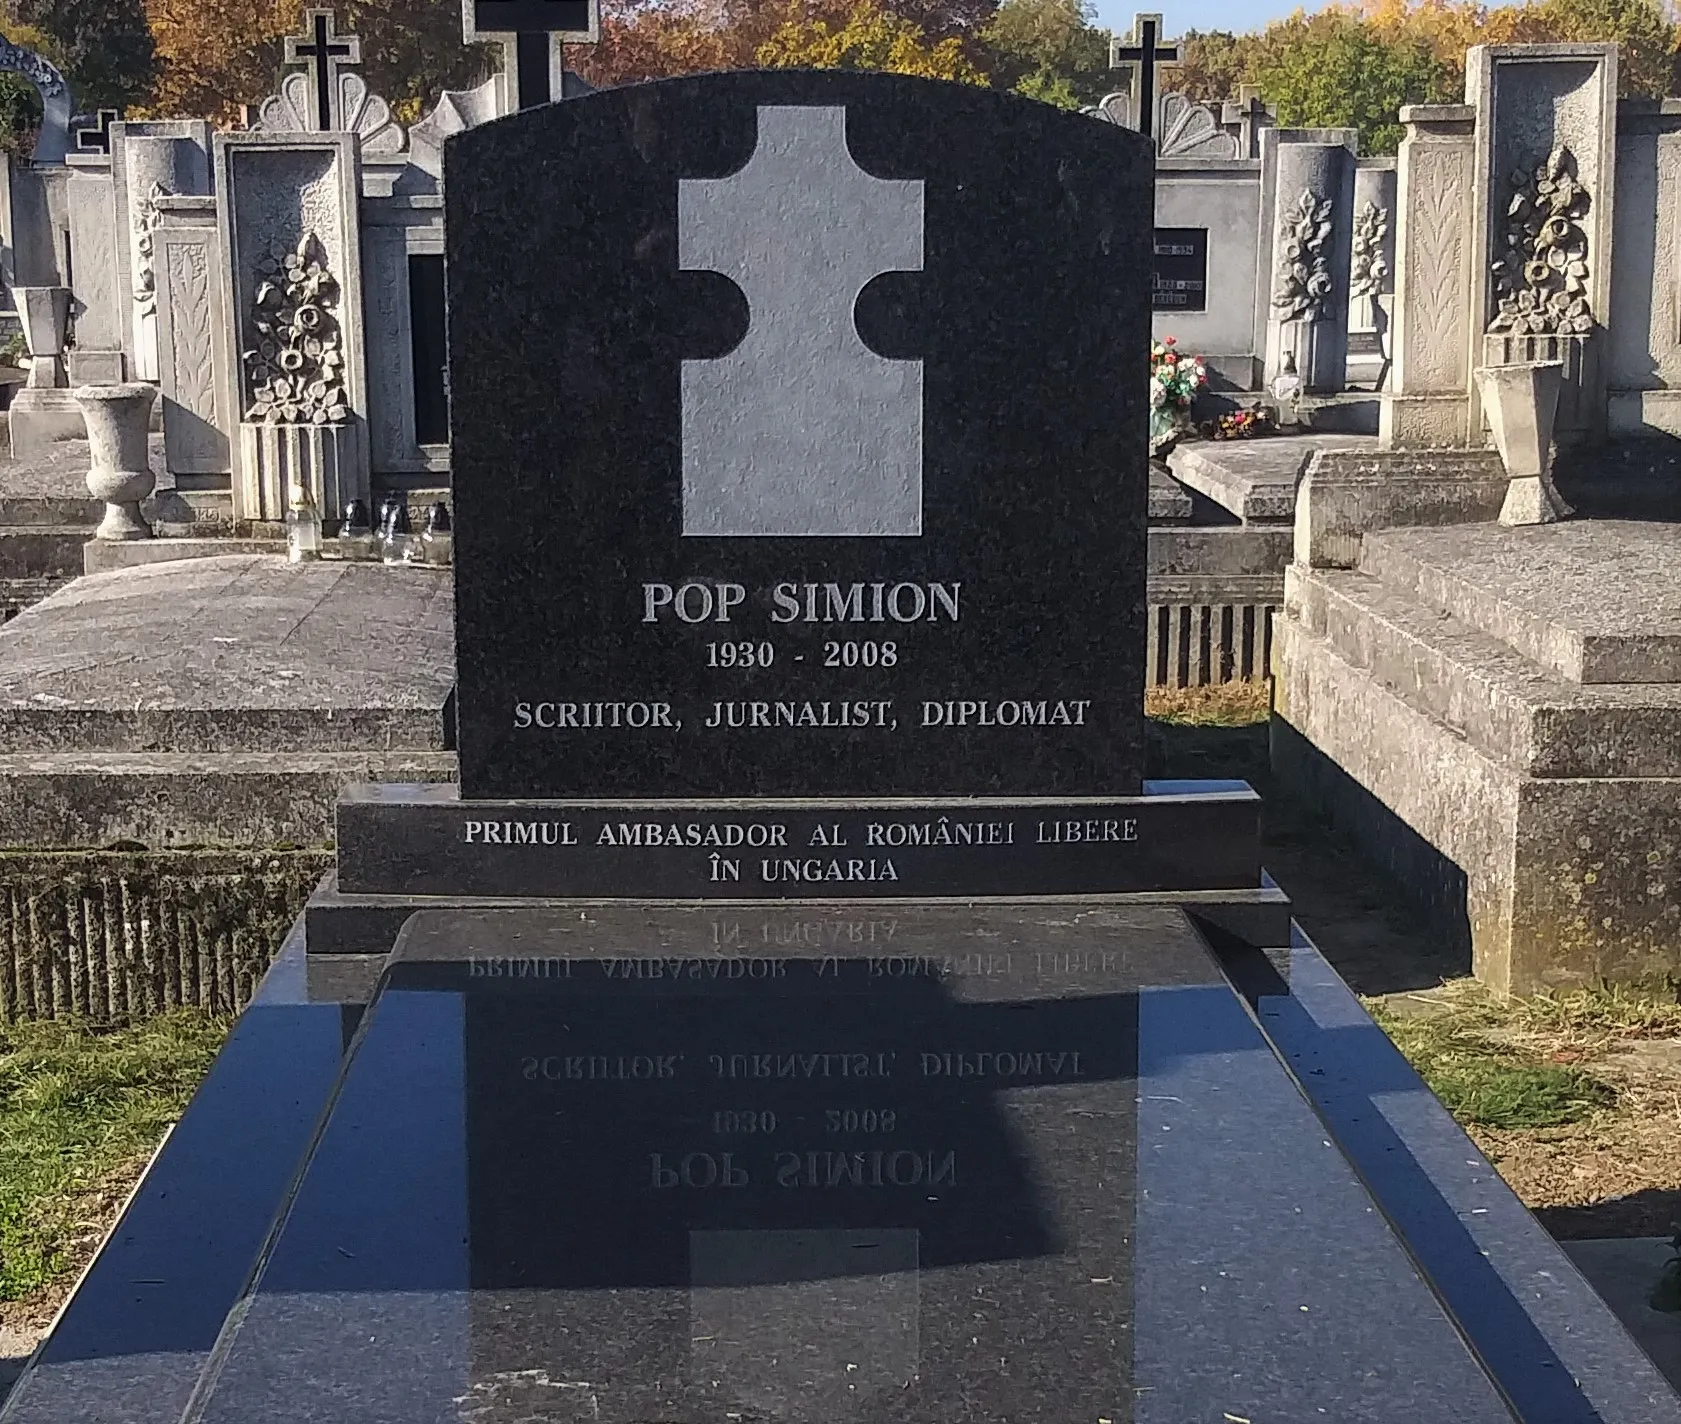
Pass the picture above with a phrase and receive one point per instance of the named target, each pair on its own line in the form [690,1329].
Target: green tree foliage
[20,115]
[1049,50]
[1216,64]
[869,37]
[1356,64]
[1336,70]
[104,47]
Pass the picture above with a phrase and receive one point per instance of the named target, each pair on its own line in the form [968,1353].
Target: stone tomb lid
[234,653]
[1030,1164]
[1596,601]
[798,442]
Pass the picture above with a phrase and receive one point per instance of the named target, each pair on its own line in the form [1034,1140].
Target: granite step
[1506,705]
[1596,602]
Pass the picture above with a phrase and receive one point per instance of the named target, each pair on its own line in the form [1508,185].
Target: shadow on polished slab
[1030,1163]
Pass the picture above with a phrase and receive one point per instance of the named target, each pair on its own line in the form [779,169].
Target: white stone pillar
[1313,193]
[150,162]
[97,306]
[1371,276]
[1425,405]
[1546,115]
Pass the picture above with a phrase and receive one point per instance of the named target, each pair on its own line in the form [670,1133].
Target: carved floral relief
[1367,268]
[147,217]
[1541,275]
[1303,281]
[294,372]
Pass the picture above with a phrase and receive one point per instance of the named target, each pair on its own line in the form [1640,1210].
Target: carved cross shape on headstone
[1249,115]
[96,137]
[802,430]
[325,52]
[1142,53]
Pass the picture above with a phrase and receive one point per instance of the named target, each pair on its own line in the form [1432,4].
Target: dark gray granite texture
[1540,1329]
[342,925]
[702,1164]
[907,359]
[138,1330]
[426,840]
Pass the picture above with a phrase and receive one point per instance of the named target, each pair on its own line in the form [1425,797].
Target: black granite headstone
[798,442]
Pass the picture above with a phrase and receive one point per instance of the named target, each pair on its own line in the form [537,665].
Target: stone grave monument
[804,1010]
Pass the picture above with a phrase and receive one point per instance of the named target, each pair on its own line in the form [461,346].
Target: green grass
[1486,1082]
[81,1107]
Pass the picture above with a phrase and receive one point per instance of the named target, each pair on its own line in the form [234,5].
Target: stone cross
[96,137]
[324,51]
[1141,53]
[1249,115]
[801,431]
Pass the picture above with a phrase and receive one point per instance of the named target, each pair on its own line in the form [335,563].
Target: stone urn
[117,418]
[44,313]
[1521,402]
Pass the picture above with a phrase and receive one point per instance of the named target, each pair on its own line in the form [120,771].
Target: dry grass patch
[1221,704]
[1575,1097]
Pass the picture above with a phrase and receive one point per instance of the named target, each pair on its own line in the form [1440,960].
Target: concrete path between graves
[220,701]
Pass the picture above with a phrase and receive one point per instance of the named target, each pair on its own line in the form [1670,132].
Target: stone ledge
[41,551]
[1555,882]
[1595,601]
[1479,688]
[102,555]
[1342,499]
[1254,479]
[166,800]
[1214,553]
[1170,503]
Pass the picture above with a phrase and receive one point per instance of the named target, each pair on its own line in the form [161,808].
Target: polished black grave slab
[398,839]
[831,480]
[1014,1163]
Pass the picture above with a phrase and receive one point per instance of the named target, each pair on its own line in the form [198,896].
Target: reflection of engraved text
[883,1167]
[601,1068]
[1002,1064]
[802,1065]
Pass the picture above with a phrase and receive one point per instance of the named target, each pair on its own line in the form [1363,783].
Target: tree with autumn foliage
[214,55]
[654,39]
[867,37]
[1355,65]
[1049,50]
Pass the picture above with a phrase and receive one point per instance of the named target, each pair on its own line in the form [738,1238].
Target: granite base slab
[186,1242]
[1036,1167]
[427,840]
[347,926]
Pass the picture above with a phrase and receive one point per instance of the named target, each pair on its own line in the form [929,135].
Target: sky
[1182,15]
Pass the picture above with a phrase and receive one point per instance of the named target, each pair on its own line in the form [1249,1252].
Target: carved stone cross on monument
[324,51]
[802,430]
[1249,115]
[96,137]
[1142,53]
